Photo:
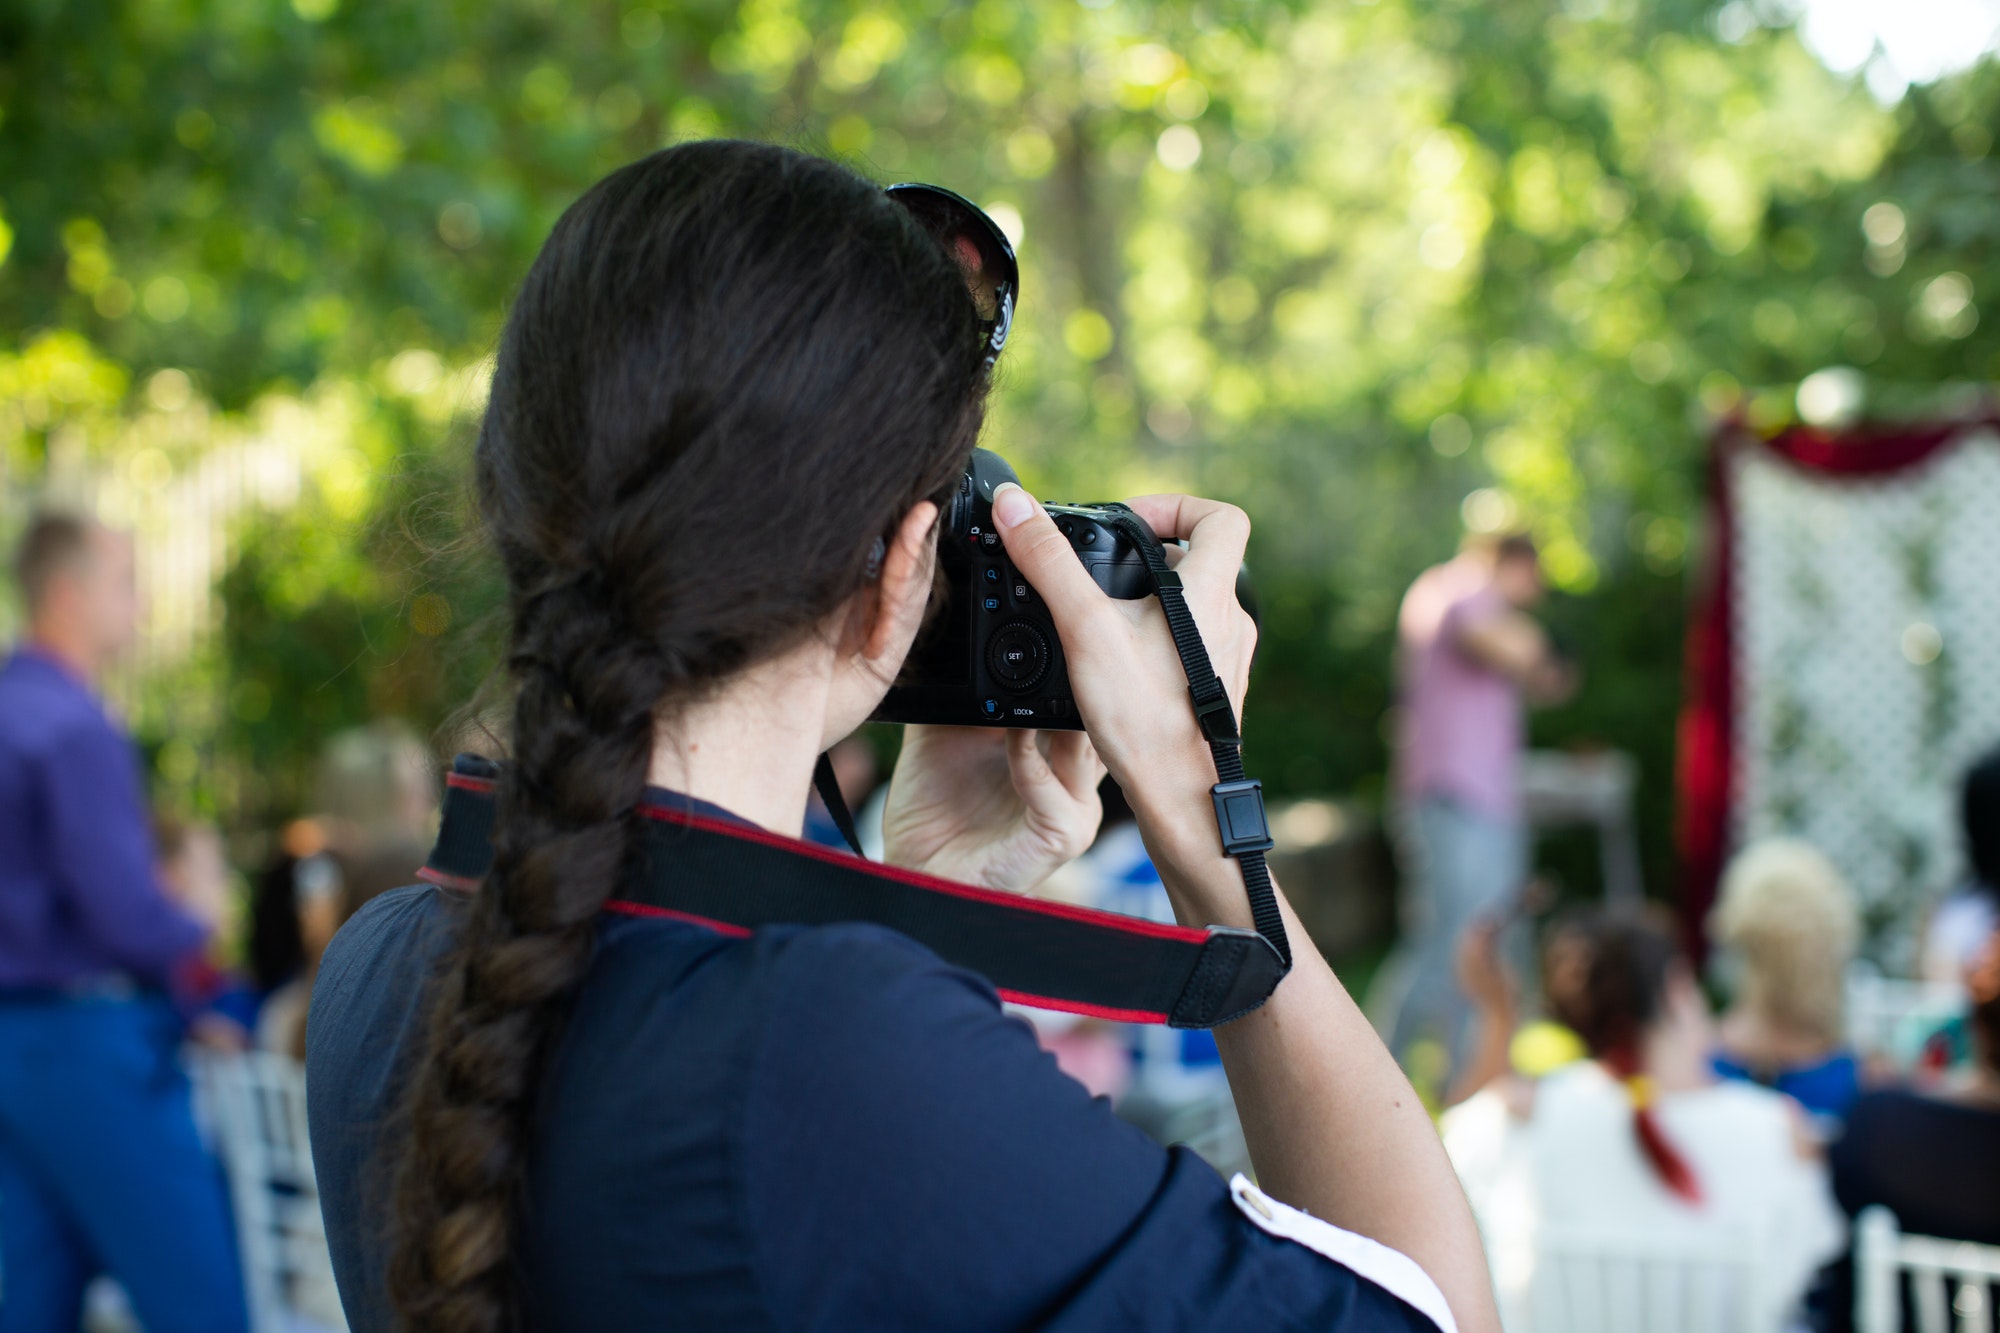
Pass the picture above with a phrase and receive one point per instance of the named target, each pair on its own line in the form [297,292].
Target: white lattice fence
[1867,632]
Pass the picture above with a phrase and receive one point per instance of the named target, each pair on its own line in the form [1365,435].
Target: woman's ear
[902,590]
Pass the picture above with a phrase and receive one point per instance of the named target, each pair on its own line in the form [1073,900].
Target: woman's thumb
[1042,554]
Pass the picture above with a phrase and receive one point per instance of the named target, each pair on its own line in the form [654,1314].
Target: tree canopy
[1372,268]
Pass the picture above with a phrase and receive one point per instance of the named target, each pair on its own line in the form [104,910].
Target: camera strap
[735,878]
[1238,798]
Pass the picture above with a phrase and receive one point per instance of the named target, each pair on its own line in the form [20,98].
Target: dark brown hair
[731,369]
[53,542]
[1983,982]
[1604,976]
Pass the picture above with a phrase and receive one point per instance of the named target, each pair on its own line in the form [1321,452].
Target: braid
[583,739]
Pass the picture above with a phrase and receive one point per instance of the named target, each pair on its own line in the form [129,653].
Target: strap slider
[1239,814]
[1167,578]
[1217,718]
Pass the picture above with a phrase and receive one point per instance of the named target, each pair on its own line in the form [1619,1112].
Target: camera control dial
[1018,655]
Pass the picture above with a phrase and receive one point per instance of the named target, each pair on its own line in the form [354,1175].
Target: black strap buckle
[1239,814]
[1217,718]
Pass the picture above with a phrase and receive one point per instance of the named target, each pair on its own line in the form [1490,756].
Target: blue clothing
[822,1127]
[1827,1088]
[79,896]
[101,1170]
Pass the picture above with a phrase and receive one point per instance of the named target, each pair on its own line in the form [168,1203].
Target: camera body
[989,654]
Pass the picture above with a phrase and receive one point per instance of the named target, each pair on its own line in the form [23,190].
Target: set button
[1018,656]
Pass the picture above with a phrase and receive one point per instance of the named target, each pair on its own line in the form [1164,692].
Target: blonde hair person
[1791,923]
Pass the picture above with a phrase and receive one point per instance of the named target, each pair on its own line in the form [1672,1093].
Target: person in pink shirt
[1469,657]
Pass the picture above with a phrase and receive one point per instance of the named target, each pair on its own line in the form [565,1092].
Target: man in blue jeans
[1468,656]
[100,1167]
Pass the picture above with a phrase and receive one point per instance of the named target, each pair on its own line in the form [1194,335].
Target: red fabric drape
[1705,739]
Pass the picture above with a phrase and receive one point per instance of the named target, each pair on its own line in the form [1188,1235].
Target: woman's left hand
[998,808]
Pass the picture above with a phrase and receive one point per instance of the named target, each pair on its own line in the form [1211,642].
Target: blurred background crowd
[1608,384]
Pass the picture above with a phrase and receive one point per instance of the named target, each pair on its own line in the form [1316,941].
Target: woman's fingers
[1216,533]
[1042,554]
[1075,763]
[1034,780]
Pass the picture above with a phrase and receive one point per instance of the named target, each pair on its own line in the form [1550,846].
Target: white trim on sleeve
[1391,1270]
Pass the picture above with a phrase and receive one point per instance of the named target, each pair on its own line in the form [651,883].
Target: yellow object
[1541,1048]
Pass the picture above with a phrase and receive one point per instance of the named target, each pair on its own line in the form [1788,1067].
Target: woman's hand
[996,808]
[1130,687]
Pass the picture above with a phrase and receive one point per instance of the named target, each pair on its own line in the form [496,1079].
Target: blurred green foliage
[1363,266]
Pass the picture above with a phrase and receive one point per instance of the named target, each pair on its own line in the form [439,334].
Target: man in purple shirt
[101,1170]
[1467,654]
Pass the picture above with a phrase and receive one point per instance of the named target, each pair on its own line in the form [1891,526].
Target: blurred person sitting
[1788,924]
[100,1166]
[1962,921]
[374,813]
[1468,655]
[301,902]
[1931,1157]
[1639,1136]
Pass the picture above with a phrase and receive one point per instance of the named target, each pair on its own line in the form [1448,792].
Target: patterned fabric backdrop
[1866,630]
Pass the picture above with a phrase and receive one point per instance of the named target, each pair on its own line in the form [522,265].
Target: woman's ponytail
[1605,977]
[583,740]
[1673,1169]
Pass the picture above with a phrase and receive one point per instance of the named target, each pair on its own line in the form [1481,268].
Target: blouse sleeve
[914,1160]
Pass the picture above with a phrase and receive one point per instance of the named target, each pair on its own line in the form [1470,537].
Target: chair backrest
[1951,1281]
[256,1101]
[1599,1280]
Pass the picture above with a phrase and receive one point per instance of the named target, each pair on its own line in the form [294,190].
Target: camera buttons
[990,707]
[1023,594]
[989,540]
[991,603]
[993,573]
[1018,656]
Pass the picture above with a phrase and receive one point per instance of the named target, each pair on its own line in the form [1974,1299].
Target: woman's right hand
[1130,687]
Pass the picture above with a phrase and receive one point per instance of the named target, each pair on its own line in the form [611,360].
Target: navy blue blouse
[824,1128]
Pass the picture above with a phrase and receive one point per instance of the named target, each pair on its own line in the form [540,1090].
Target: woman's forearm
[1332,1125]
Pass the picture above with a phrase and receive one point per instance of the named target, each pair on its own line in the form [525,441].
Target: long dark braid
[731,368]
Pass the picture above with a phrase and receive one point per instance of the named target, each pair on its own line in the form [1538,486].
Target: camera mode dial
[1018,655]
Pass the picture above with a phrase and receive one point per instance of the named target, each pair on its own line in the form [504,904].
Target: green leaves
[1346,263]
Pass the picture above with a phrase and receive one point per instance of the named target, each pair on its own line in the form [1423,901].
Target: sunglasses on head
[981,250]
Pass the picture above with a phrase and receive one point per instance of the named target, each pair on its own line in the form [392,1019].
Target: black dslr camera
[989,655]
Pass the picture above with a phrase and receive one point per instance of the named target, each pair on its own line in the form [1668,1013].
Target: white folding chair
[1951,1281]
[1598,1280]
[256,1106]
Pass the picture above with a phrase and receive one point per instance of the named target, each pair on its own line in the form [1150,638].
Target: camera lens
[1018,655]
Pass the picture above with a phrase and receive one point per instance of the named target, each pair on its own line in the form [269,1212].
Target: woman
[1639,1137]
[735,384]
[1931,1157]
[1789,923]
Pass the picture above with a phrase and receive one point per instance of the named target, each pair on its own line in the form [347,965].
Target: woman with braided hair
[1641,1137]
[732,391]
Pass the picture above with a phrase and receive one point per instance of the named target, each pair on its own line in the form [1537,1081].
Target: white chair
[1951,1281]
[1595,1280]
[255,1104]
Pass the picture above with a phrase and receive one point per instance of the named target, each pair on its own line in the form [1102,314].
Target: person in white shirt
[1640,1138]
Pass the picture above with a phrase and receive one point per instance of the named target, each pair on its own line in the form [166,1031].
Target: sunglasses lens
[976,244]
